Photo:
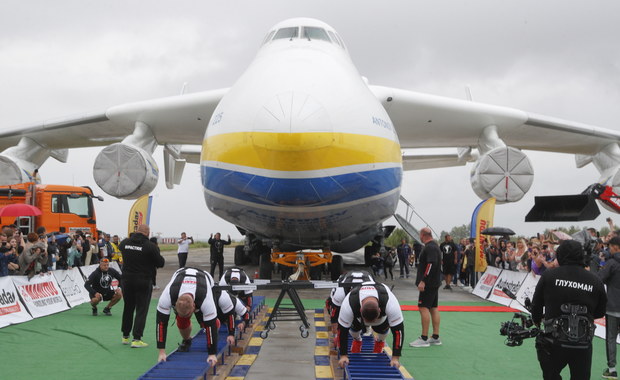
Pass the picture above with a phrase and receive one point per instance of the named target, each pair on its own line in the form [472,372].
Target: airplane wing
[189,113]
[424,121]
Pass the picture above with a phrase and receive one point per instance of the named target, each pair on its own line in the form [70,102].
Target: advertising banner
[41,294]
[12,310]
[526,290]
[72,285]
[481,218]
[507,279]
[488,279]
[140,213]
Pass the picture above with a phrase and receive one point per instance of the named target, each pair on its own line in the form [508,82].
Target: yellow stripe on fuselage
[299,151]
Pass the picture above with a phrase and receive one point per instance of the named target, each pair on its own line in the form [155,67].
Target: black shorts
[107,294]
[428,298]
[449,268]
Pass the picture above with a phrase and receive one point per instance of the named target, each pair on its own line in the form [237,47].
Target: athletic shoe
[434,342]
[185,345]
[447,287]
[138,344]
[107,312]
[610,375]
[125,340]
[378,347]
[420,343]
[356,346]
[95,311]
[401,276]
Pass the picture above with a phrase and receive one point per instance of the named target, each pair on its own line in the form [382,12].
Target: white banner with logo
[88,269]
[114,264]
[525,291]
[71,283]
[486,282]
[41,294]
[507,279]
[12,310]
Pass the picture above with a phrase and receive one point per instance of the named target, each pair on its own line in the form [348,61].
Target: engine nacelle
[504,173]
[14,171]
[125,171]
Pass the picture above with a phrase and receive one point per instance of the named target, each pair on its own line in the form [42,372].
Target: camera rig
[521,325]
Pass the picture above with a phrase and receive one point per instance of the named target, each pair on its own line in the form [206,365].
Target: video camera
[520,327]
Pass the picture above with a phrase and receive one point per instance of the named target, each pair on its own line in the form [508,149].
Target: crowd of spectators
[40,252]
[538,253]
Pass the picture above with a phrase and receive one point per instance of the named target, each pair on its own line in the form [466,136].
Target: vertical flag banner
[482,218]
[140,213]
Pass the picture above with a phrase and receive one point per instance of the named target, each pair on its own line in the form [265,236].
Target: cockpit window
[335,38]
[313,33]
[289,33]
[269,36]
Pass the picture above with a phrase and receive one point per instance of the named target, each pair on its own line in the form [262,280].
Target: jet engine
[504,173]
[125,171]
[14,171]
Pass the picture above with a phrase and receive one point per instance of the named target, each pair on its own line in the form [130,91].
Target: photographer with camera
[183,249]
[572,298]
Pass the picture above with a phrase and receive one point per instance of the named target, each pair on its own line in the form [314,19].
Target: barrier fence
[22,299]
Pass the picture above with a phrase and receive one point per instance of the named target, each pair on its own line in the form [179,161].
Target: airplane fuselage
[299,150]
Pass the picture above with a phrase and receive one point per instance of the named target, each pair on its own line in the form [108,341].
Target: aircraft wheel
[337,267]
[239,255]
[265,265]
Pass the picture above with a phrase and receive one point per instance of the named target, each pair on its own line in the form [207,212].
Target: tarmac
[285,342]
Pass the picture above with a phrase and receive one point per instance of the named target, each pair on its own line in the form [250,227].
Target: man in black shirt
[99,286]
[572,298]
[217,253]
[140,258]
[428,281]
[449,259]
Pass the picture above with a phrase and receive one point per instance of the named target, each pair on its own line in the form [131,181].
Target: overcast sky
[555,58]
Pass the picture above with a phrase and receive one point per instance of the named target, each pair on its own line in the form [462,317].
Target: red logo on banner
[8,298]
[489,280]
[37,291]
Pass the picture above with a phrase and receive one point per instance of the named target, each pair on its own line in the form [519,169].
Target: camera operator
[572,298]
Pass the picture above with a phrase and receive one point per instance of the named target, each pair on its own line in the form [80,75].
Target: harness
[355,278]
[354,299]
[242,275]
[201,286]
[573,328]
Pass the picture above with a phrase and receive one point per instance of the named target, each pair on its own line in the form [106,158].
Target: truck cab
[64,209]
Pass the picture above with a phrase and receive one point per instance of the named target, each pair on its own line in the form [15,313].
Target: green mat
[74,344]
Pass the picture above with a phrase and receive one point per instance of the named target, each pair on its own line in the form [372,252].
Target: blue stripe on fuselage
[318,191]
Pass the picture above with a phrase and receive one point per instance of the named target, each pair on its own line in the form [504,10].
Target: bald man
[140,258]
[428,281]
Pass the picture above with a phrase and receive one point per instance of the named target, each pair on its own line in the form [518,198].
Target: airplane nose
[298,120]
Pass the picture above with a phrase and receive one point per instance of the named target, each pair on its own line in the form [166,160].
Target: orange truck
[64,209]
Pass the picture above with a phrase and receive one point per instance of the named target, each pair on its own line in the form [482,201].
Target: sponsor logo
[134,247]
[7,298]
[38,291]
[136,220]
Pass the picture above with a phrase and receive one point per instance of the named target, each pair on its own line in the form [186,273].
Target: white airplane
[301,152]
